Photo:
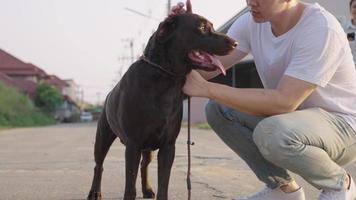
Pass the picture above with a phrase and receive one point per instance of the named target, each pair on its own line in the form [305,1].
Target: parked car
[86,117]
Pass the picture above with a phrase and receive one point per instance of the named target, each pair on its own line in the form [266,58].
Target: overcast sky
[84,39]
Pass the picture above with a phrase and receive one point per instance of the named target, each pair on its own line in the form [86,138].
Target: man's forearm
[258,102]
[208,75]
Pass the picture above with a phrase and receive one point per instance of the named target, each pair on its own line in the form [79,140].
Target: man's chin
[259,20]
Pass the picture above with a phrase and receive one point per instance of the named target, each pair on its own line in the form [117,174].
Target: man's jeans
[312,143]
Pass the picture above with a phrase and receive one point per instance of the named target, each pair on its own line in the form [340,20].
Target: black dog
[145,108]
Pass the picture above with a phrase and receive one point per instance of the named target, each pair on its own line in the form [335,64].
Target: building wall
[27,78]
[72,90]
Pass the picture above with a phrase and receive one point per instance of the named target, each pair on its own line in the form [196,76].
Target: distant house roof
[70,100]
[28,87]
[25,86]
[56,82]
[7,80]
[9,61]
[13,66]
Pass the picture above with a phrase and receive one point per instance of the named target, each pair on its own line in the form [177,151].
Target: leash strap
[144,58]
[189,185]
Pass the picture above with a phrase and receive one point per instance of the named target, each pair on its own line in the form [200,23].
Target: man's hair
[351,3]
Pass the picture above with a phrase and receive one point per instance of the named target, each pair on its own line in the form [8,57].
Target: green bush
[16,109]
[47,98]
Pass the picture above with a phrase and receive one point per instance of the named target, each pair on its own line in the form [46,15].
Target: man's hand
[196,85]
[179,8]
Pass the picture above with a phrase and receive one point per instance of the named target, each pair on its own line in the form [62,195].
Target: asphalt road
[56,163]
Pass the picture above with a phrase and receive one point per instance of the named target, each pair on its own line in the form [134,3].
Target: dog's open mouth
[206,61]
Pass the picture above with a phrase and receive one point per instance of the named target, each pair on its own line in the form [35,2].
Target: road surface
[56,163]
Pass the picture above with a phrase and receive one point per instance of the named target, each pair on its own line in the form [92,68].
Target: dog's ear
[166,29]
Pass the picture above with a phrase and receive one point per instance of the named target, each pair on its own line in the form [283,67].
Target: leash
[189,143]
[144,58]
[189,185]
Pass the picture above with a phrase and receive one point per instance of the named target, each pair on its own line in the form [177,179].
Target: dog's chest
[148,111]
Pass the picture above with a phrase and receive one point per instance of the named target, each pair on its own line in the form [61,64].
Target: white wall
[339,8]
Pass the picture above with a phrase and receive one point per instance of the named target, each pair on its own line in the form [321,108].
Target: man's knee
[274,138]
[212,111]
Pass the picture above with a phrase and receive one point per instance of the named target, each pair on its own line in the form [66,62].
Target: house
[20,75]
[18,70]
[56,82]
[244,74]
[72,90]
[25,77]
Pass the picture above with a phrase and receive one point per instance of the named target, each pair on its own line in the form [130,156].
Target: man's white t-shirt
[315,50]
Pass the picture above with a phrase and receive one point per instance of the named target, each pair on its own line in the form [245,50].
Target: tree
[47,98]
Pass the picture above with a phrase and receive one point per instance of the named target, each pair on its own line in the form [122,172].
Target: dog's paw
[148,194]
[94,195]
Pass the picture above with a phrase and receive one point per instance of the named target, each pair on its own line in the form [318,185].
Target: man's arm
[228,61]
[287,97]
[289,94]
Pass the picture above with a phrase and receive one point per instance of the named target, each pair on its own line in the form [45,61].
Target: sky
[88,40]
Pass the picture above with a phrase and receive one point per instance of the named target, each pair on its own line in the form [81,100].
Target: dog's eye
[203,28]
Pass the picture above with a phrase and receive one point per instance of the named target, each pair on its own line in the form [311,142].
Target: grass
[203,126]
[17,110]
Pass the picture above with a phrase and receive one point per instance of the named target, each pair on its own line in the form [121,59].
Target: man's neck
[287,18]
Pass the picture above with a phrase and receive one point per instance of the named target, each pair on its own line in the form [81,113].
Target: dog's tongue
[207,60]
[216,62]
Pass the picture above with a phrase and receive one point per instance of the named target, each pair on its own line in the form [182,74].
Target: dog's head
[189,41]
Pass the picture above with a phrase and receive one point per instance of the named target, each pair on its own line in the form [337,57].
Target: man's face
[264,10]
[353,10]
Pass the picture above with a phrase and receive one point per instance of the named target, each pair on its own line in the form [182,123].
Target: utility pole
[98,95]
[123,65]
[131,45]
[124,59]
[168,7]
[80,96]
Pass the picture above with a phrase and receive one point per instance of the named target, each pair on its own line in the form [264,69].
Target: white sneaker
[347,194]
[275,194]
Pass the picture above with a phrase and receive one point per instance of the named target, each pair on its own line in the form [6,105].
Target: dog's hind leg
[132,162]
[104,138]
[146,187]
[165,161]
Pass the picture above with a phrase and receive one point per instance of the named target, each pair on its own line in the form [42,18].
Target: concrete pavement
[56,163]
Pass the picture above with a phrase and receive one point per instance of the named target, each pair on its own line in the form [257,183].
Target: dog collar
[144,58]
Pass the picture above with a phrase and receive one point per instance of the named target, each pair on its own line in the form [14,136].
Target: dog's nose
[235,44]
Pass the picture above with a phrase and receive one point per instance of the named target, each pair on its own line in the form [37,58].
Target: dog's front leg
[165,161]
[132,160]
[146,187]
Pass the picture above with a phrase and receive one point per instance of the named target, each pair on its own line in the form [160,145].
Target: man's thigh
[314,127]
[246,120]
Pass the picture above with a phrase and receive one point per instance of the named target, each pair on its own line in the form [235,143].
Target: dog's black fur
[145,108]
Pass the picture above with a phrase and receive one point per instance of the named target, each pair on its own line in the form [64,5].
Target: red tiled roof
[70,100]
[9,61]
[7,80]
[28,87]
[56,82]
[25,86]
[11,65]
